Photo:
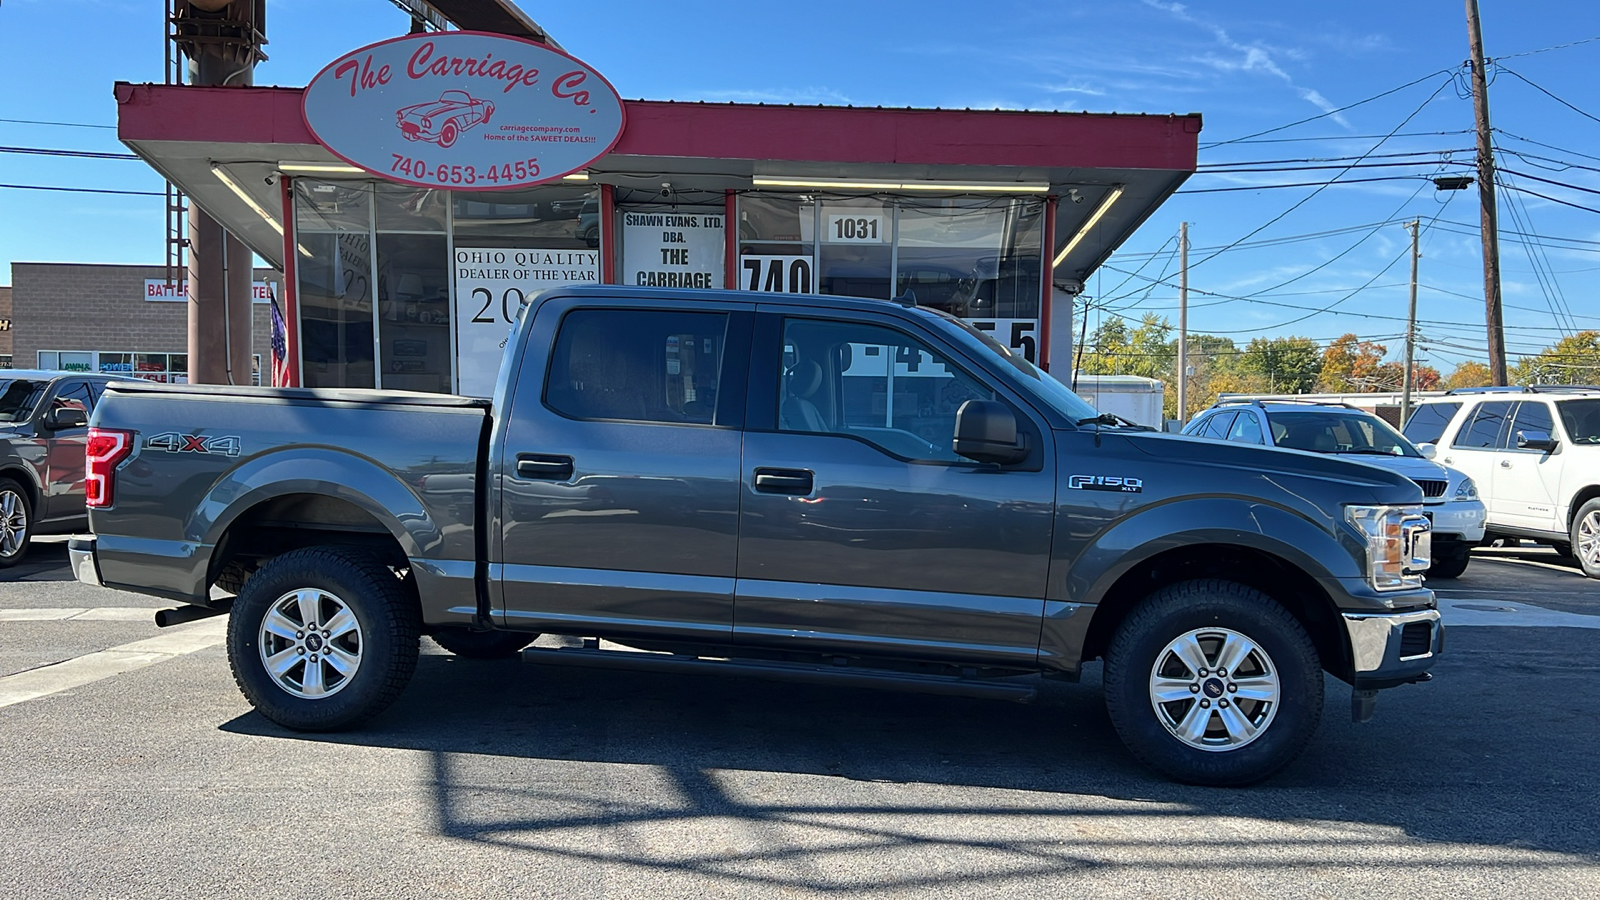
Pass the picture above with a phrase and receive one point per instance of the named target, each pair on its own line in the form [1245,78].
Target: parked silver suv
[1535,455]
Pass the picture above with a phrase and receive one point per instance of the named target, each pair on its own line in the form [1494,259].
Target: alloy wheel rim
[1214,689]
[311,643]
[1589,539]
[13,523]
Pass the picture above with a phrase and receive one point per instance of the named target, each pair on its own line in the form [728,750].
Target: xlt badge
[1117,483]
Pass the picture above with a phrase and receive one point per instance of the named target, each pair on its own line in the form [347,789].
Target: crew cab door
[861,532]
[618,471]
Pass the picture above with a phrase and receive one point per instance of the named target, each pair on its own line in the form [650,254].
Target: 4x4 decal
[224,445]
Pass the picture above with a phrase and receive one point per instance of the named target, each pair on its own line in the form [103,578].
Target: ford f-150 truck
[825,489]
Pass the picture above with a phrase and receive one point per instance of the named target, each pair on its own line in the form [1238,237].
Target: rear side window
[1428,422]
[637,365]
[74,392]
[1245,430]
[1217,426]
[1582,418]
[1485,430]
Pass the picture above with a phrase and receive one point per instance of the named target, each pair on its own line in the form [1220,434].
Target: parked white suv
[1535,454]
[1449,498]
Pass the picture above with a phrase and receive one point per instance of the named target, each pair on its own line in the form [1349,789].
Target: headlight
[1466,490]
[1399,544]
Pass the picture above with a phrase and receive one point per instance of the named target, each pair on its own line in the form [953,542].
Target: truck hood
[1360,481]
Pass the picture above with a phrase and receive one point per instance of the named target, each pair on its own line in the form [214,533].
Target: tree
[1350,364]
[1468,374]
[1289,365]
[1575,359]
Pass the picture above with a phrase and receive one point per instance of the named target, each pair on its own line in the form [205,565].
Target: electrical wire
[57,124]
[1264,187]
[1547,49]
[77,154]
[1513,73]
[75,190]
[1328,113]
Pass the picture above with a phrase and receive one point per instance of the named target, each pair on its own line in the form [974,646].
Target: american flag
[280,346]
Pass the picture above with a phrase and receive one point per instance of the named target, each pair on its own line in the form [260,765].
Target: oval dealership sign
[464,110]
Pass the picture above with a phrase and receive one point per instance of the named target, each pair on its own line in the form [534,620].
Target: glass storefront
[167,368]
[417,288]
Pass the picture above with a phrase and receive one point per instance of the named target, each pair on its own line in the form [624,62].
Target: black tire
[1562,549]
[16,523]
[1449,566]
[1586,547]
[233,576]
[388,626]
[1167,615]
[472,643]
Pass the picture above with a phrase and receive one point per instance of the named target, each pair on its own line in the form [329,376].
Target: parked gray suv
[44,418]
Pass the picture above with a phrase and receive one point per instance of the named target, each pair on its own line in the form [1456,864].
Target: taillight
[105,450]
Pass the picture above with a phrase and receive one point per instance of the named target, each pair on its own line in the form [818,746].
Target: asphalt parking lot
[152,777]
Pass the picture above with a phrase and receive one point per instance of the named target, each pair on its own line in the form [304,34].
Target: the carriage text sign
[463,110]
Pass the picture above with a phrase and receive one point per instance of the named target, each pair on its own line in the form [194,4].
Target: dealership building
[406,218]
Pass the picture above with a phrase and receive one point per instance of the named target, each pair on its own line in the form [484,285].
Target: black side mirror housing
[1536,440]
[67,417]
[986,431]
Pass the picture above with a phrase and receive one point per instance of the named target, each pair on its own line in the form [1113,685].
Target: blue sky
[1247,66]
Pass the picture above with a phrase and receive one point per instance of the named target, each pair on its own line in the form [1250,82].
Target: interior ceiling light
[1094,217]
[1006,187]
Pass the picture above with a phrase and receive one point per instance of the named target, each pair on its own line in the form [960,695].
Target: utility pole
[1486,206]
[1183,323]
[1411,324]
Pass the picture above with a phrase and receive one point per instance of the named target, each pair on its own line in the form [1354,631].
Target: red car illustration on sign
[442,121]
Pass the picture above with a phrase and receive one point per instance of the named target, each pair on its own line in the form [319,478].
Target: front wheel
[322,638]
[16,529]
[1586,538]
[1449,566]
[1213,683]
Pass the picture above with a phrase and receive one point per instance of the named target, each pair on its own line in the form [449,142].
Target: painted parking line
[80,614]
[1509,614]
[92,667]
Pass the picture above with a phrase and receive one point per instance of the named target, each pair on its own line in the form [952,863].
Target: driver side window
[873,383]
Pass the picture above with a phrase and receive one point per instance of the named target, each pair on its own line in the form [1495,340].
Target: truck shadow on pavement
[839,790]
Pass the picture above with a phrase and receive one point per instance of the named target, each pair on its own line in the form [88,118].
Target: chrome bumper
[80,552]
[1389,649]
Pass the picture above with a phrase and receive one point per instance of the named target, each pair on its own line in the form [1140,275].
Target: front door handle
[785,481]
[544,466]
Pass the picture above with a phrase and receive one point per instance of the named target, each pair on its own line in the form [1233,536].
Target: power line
[57,124]
[1554,199]
[82,154]
[1329,112]
[75,190]
[1317,159]
[1264,187]
[1541,90]
[1544,145]
[1547,49]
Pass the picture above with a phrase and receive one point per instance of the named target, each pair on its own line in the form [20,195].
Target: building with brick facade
[5,327]
[111,318]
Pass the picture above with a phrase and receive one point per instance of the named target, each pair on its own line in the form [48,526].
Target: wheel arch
[1584,495]
[25,477]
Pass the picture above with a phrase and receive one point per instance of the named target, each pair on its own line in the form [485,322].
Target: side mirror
[66,417]
[1536,440]
[986,431]
[1428,451]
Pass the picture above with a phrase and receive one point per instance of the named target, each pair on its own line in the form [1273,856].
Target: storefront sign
[1021,335]
[670,249]
[492,286]
[463,109]
[776,274]
[160,289]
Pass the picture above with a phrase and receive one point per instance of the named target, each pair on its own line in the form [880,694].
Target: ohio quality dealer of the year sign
[463,110]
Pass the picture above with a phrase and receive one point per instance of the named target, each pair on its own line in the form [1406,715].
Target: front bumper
[80,553]
[1457,521]
[1389,649]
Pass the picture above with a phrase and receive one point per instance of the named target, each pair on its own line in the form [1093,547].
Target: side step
[1021,689]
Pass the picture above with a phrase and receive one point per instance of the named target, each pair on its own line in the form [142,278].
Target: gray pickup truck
[856,492]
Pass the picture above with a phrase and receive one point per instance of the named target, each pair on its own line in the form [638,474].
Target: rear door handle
[785,481]
[544,466]
[1505,463]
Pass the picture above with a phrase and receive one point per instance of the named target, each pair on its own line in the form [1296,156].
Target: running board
[1017,690]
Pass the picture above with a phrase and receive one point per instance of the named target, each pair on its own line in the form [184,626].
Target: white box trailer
[1133,398]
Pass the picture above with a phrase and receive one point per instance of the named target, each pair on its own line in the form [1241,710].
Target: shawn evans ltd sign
[464,110]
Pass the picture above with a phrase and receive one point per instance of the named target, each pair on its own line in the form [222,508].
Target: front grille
[1416,639]
[1432,488]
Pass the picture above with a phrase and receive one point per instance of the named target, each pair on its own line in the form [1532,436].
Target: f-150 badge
[1116,483]
[222,445]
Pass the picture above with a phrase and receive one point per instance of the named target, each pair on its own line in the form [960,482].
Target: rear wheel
[16,523]
[473,643]
[322,638]
[1586,538]
[1211,682]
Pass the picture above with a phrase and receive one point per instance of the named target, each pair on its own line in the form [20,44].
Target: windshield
[1059,396]
[18,397]
[1582,418]
[1337,432]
